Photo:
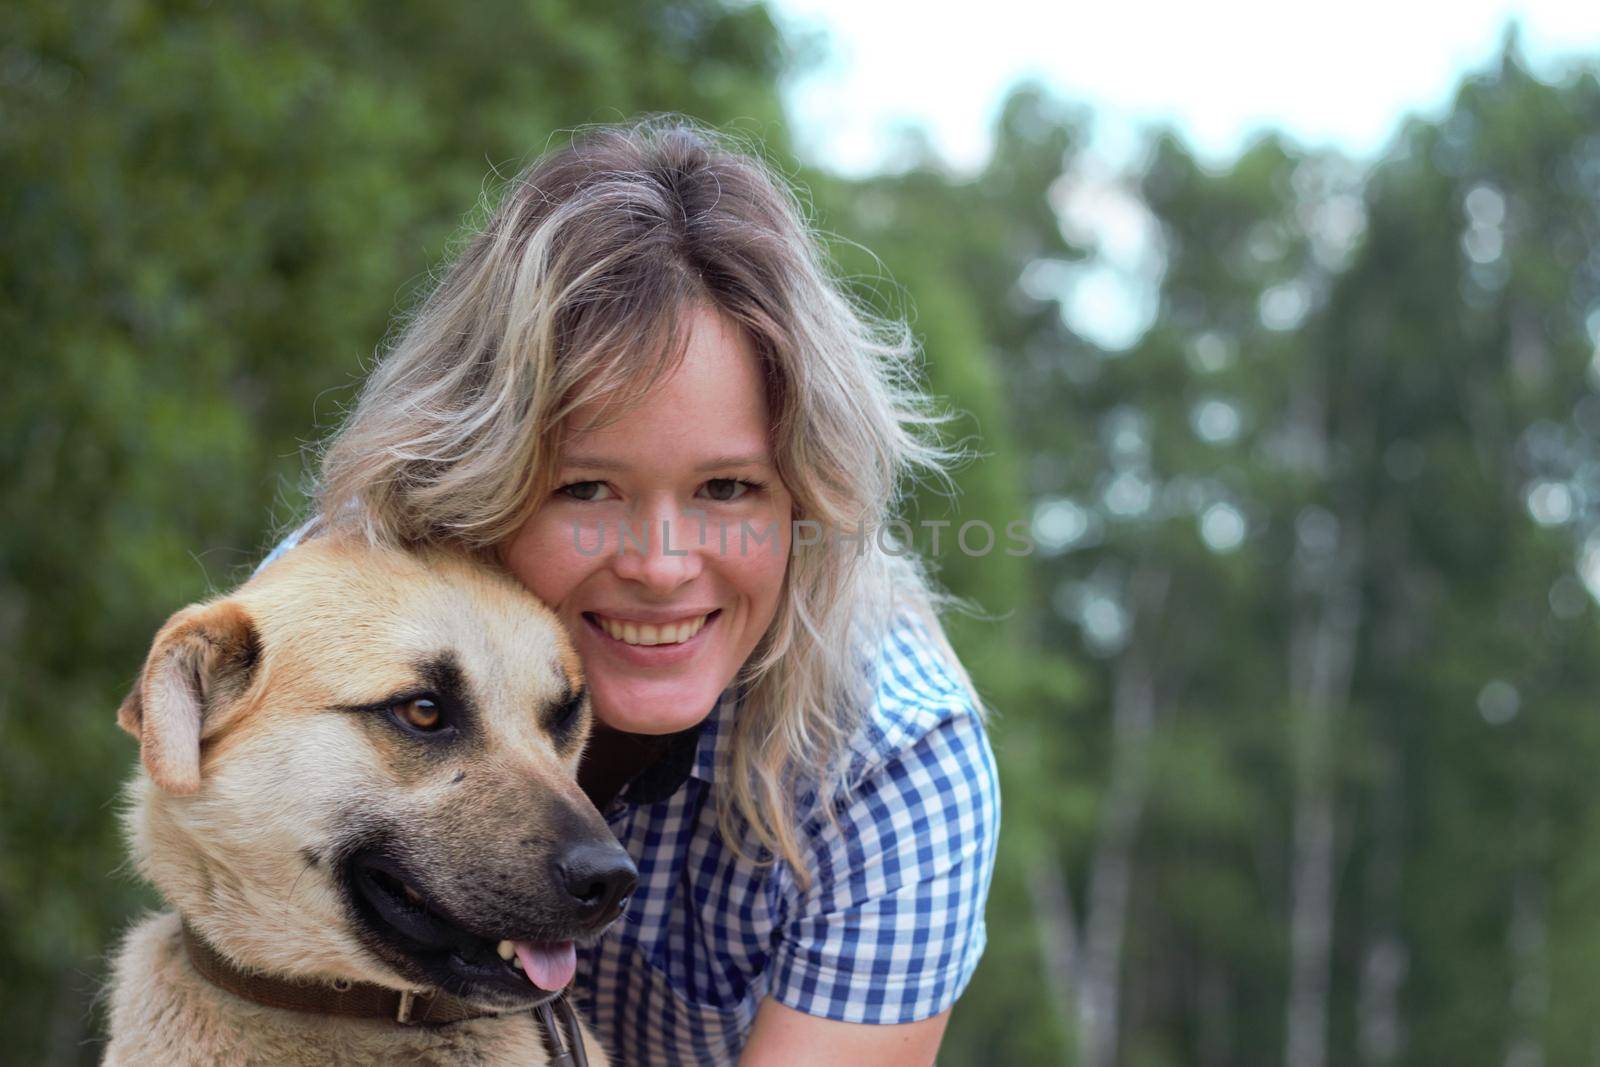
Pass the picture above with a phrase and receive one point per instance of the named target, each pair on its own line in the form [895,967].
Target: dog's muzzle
[507,957]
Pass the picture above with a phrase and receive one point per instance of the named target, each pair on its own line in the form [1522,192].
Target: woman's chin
[658,689]
[653,707]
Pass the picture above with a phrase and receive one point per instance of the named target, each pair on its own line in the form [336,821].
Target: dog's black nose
[598,878]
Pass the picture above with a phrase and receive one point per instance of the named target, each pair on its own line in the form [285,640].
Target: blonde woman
[639,390]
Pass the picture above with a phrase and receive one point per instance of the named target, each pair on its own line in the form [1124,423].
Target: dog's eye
[419,713]
[561,719]
[566,713]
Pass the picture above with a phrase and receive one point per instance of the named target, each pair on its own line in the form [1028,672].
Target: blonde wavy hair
[574,293]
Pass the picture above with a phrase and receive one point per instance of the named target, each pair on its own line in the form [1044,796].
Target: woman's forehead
[711,406]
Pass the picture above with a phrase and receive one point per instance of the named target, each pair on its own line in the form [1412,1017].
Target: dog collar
[557,1022]
[362,1000]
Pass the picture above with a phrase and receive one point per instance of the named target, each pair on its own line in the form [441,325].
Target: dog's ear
[203,659]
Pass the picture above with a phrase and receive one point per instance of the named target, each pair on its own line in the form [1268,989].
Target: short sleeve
[892,926]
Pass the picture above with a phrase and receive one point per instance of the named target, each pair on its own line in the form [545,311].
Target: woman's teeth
[644,633]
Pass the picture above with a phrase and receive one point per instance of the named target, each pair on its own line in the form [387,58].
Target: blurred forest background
[1296,703]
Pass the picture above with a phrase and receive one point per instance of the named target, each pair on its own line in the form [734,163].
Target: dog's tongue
[548,966]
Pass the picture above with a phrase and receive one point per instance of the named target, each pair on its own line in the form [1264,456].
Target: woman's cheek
[551,556]
[766,565]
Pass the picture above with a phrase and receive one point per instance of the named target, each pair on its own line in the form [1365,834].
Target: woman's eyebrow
[752,459]
[596,463]
[602,463]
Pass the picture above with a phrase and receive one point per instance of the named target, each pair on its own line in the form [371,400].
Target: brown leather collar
[362,1000]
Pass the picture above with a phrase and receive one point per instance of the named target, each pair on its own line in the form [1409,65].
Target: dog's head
[362,765]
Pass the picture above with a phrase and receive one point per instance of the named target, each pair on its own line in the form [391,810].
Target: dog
[358,794]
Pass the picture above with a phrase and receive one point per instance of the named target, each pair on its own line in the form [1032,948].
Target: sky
[1330,76]
[1339,75]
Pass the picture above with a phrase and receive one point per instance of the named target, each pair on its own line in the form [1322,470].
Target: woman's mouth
[651,635]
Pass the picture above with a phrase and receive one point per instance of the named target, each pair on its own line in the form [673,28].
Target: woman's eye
[585,491]
[419,713]
[726,489]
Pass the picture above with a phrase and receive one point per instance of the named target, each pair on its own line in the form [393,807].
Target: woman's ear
[202,660]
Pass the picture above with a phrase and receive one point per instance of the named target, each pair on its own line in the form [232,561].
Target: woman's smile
[650,634]
[641,644]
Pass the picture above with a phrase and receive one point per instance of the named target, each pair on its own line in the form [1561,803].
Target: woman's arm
[783,1037]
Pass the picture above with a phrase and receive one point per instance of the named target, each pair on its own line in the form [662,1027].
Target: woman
[638,389]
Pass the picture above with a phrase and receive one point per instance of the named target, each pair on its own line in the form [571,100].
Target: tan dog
[358,769]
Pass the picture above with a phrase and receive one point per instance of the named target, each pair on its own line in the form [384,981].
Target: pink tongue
[548,966]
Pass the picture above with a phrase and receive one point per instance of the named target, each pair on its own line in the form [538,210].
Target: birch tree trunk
[1384,960]
[1111,875]
[1526,937]
[1083,961]
[1322,657]
[1054,919]
[1325,614]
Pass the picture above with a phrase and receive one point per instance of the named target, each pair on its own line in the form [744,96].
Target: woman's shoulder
[916,819]
[917,692]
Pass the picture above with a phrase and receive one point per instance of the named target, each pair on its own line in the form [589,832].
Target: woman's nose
[660,550]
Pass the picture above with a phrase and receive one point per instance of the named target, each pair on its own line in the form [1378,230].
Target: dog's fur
[271,760]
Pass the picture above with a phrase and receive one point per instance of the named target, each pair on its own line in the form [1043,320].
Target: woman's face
[684,483]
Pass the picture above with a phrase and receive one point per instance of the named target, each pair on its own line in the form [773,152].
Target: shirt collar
[716,736]
[697,752]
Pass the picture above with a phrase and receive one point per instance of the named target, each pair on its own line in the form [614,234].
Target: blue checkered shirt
[889,930]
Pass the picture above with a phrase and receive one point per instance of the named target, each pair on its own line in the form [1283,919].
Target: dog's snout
[598,878]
